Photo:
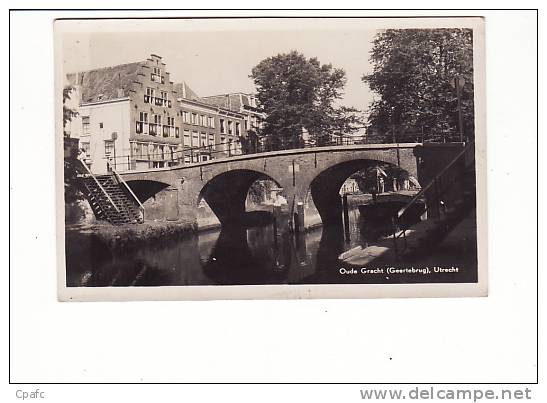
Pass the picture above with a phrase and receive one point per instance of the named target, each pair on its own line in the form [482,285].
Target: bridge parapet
[319,170]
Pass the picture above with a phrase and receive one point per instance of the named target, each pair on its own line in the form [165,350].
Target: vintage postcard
[271,158]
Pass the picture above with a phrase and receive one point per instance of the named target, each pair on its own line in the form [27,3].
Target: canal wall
[130,235]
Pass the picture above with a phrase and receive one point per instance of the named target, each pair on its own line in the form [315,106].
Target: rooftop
[233,101]
[106,83]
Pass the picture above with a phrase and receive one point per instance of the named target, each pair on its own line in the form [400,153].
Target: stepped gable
[106,83]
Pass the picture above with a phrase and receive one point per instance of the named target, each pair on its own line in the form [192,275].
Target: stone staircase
[109,200]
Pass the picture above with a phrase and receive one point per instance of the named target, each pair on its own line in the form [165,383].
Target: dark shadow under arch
[325,187]
[226,193]
[145,189]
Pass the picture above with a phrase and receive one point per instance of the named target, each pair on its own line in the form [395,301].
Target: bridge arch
[144,189]
[325,186]
[226,193]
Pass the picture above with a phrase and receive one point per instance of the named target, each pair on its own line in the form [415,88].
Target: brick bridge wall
[175,193]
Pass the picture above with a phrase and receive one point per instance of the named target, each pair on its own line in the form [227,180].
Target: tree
[412,72]
[68,113]
[296,94]
[72,193]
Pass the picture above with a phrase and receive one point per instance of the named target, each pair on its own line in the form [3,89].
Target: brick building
[245,104]
[216,131]
[134,116]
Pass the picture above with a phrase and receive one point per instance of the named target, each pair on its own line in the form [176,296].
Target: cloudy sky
[216,56]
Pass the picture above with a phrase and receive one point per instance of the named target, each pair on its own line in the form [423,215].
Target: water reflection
[229,256]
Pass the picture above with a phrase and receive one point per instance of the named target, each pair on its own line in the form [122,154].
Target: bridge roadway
[174,193]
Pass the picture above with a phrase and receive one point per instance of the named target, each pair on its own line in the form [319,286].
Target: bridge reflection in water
[223,257]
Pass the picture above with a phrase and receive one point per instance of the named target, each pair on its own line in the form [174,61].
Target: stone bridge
[301,173]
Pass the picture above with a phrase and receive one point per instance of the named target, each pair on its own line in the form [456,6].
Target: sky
[217,56]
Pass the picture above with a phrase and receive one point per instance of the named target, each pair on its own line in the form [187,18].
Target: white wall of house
[349,186]
[114,117]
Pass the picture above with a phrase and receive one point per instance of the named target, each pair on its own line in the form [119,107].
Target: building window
[85,125]
[211,122]
[108,147]
[142,150]
[156,75]
[101,125]
[195,139]
[222,128]
[149,96]
[212,141]
[186,141]
[142,123]
[86,148]
[162,152]
[238,133]
[230,127]
[156,126]
[177,133]
[173,153]
[194,119]
[169,128]
[185,117]
[223,143]
[204,139]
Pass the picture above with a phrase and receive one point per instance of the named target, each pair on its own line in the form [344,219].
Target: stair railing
[100,186]
[122,181]
[466,154]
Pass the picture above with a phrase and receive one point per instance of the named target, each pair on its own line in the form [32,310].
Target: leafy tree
[68,113]
[297,93]
[346,120]
[259,189]
[412,73]
[71,164]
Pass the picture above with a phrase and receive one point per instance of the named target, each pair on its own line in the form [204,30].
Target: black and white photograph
[270,158]
[272,205]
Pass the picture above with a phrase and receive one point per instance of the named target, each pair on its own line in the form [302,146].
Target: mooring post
[300,211]
[293,174]
[275,212]
[346,215]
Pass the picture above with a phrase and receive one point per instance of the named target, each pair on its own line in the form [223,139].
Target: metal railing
[465,155]
[194,154]
[177,157]
[120,180]
[99,184]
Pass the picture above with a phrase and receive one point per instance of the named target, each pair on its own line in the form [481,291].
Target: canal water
[233,256]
